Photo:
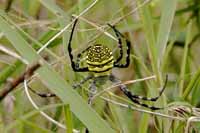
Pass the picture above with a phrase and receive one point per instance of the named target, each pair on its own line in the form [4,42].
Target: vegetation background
[164,37]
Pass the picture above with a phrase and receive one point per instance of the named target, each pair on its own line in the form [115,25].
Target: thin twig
[12,84]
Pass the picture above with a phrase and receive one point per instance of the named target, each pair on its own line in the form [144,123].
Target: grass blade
[68,119]
[167,17]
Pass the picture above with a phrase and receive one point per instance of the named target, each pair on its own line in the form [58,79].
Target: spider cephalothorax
[100,60]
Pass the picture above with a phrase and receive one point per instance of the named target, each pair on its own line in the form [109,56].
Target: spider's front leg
[75,65]
[128,46]
[43,95]
[78,85]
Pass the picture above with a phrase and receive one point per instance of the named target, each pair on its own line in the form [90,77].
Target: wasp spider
[100,62]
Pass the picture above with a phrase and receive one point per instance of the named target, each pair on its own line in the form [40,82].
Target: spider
[100,62]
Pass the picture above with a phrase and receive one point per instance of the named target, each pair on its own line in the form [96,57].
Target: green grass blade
[68,119]
[192,83]
[144,121]
[35,126]
[148,28]
[167,17]
[185,57]
[57,116]
[9,71]
[52,6]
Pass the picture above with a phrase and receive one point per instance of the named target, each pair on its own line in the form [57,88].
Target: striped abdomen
[100,60]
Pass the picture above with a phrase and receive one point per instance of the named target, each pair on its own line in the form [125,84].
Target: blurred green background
[164,37]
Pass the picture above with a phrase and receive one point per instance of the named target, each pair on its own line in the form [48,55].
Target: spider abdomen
[100,60]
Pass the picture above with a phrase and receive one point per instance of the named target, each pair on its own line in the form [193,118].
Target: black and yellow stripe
[100,60]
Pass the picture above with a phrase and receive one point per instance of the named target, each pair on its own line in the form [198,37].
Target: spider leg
[45,95]
[153,98]
[92,91]
[128,43]
[119,43]
[135,98]
[82,82]
[74,65]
